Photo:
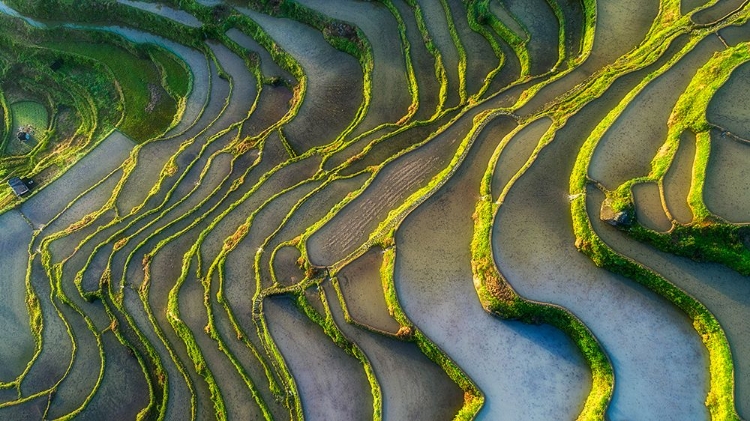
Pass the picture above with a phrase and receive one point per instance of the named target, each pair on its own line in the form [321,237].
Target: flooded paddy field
[386,210]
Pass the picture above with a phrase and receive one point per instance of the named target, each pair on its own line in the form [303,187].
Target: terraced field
[393,209]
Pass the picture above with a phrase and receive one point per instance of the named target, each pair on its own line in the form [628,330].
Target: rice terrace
[375,210]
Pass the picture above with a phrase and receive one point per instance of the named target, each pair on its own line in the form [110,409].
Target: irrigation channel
[392,209]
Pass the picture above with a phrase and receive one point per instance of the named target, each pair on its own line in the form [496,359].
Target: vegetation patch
[146,98]
[70,86]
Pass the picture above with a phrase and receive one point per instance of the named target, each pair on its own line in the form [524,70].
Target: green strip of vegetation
[499,298]
[720,400]
[146,99]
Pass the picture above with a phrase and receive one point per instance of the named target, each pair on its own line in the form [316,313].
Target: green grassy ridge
[720,400]
[473,397]
[374,172]
[298,241]
[499,298]
[410,74]
[176,79]
[347,315]
[478,25]
[39,323]
[286,144]
[664,30]
[36,325]
[211,326]
[155,375]
[53,298]
[39,157]
[213,332]
[54,275]
[273,385]
[707,238]
[67,10]
[92,11]
[300,245]
[291,393]
[331,329]
[7,122]
[689,113]
[191,345]
[440,71]
[327,154]
[700,165]
[712,242]
[397,215]
[561,37]
[459,48]
[82,223]
[523,38]
[517,44]
[174,72]
[143,294]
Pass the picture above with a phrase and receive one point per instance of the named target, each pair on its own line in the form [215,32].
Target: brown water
[716,12]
